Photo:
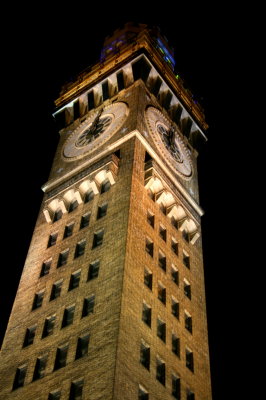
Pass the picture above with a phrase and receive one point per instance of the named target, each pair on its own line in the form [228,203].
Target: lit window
[76,390]
[149,247]
[88,306]
[39,369]
[38,299]
[61,357]
[56,289]
[46,265]
[160,371]
[74,280]
[52,239]
[48,326]
[145,355]
[80,248]
[29,336]
[20,377]
[148,279]
[68,316]
[93,270]
[97,239]
[82,346]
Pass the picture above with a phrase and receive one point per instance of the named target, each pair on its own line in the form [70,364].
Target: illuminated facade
[111,302]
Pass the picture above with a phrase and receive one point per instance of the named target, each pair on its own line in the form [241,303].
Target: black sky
[48,48]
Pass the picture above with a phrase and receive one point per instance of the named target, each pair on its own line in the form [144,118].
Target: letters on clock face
[95,130]
[169,142]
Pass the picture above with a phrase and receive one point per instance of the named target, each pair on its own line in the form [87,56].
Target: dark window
[91,100]
[176,392]
[68,316]
[85,220]
[146,314]
[73,205]
[74,280]
[190,395]
[177,114]
[167,100]
[120,80]
[148,279]
[58,215]
[80,248]
[162,261]
[89,196]
[105,90]
[141,69]
[29,336]
[46,265]
[174,246]
[102,211]
[162,232]
[156,86]
[175,345]
[93,270]
[20,377]
[88,306]
[82,346]
[150,219]
[187,289]
[39,369]
[160,371]
[188,322]
[38,299]
[68,230]
[163,208]
[143,394]
[56,289]
[185,235]
[145,355]
[162,293]
[61,356]
[62,259]
[186,260]
[106,185]
[175,308]
[97,239]
[76,110]
[149,247]
[175,275]
[52,239]
[48,326]
[54,395]
[76,389]
[161,330]
[189,360]
[174,222]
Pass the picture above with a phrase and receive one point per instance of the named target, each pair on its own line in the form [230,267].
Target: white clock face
[95,130]
[169,142]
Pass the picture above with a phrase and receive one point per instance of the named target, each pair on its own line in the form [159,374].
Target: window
[106,185]
[48,327]
[46,265]
[190,395]
[163,208]
[185,235]
[29,336]
[58,215]
[74,280]
[85,220]
[73,205]
[176,392]
[61,356]
[186,260]
[188,322]
[88,306]
[62,259]
[148,278]
[174,246]
[162,232]
[38,299]
[39,369]
[161,329]
[150,218]
[174,222]
[68,316]
[187,289]
[52,239]
[161,293]
[146,314]
[93,270]
[143,394]
[89,196]
[120,80]
[145,355]
[97,239]
[91,100]
[80,248]
[174,275]
[189,360]
[20,377]
[55,395]
[175,345]
[141,69]
[76,389]
[175,308]
[105,90]
[160,371]
[82,346]
[162,261]
[68,230]
[149,247]
[56,289]
[102,211]
[76,110]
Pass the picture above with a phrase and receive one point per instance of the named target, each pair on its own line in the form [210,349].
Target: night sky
[49,48]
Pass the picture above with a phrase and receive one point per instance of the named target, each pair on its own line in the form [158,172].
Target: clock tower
[111,302]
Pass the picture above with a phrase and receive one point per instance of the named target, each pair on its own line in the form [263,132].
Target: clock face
[168,140]
[95,130]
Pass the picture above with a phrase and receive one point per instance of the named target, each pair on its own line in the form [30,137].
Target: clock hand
[171,136]
[95,122]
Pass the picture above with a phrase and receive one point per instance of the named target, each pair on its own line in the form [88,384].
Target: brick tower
[111,302]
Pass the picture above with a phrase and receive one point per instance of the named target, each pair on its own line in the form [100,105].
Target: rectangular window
[174,222]
[68,230]
[175,345]
[61,357]
[74,280]
[176,387]
[174,275]
[48,326]
[68,316]
[62,259]
[80,248]
[186,260]
[38,299]
[91,104]
[161,293]
[150,218]
[85,220]
[146,314]
[148,278]
[29,336]
[162,261]
[105,90]
[120,81]
[141,69]
[188,322]
[187,289]
[190,395]
[149,247]
[156,86]
[56,290]
[145,355]
[55,395]
[160,371]
[97,239]
[185,235]
[161,330]
[76,390]
[52,239]
[106,186]
[93,270]
[174,246]
[46,265]
[189,360]
[88,306]
[102,211]
[89,196]
[57,215]
[162,232]
[20,377]
[76,110]
[40,366]
[82,346]
[175,308]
